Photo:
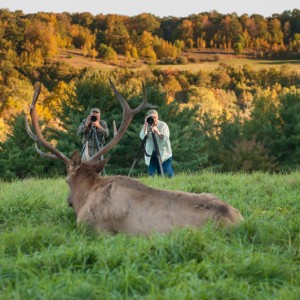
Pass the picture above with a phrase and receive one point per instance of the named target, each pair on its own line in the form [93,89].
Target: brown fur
[121,204]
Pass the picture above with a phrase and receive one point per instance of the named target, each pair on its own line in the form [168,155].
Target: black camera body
[150,120]
[93,118]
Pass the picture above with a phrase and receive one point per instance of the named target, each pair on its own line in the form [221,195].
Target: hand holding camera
[92,120]
[150,120]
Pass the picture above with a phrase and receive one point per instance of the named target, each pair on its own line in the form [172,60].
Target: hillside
[207,60]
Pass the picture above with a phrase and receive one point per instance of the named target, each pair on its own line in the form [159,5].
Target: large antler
[38,137]
[128,114]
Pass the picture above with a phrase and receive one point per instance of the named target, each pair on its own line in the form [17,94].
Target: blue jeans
[154,166]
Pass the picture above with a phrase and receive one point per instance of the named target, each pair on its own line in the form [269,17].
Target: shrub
[181,60]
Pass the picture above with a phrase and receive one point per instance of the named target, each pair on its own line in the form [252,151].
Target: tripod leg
[141,148]
[129,174]
[96,143]
[157,154]
[103,171]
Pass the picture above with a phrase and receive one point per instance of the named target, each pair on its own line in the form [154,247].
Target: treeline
[28,39]
[227,120]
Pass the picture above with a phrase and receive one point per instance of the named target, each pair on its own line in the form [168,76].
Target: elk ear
[75,160]
[99,166]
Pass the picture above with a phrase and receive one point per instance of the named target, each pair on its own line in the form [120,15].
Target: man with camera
[94,131]
[158,137]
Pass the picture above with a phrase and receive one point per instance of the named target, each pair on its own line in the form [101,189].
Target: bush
[167,61]
[181,60]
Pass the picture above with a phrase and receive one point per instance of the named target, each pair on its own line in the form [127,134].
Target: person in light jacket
[162,134]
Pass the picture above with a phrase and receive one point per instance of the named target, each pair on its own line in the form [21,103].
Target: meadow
[44,255]
[204,61]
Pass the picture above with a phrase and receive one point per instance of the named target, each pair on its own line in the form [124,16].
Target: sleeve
[81,129]
[166,133]
[104,131]
[142,133]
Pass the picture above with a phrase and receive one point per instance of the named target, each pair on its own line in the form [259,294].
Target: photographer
[162,135]
[94,131]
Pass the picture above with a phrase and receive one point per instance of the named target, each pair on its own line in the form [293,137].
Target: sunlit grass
[209,64]
[44,255]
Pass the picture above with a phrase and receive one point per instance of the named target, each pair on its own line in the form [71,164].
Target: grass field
[44,255]
[204,61]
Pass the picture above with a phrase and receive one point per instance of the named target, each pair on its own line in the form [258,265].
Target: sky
[160,8]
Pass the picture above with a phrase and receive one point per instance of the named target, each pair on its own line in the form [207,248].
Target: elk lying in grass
[122,204]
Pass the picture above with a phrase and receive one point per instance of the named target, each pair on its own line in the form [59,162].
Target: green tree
[18,158]
[238,48]
[189,145]
[107,53]
[116,34]
[288,141]
[143,22]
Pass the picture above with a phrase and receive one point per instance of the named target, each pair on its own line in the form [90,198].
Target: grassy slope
[43,255]
[205,61]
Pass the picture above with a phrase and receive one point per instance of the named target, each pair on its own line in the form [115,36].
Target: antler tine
[145,103]
[35,138]
[41,153]
[128,114]
[39,137]
[29,132]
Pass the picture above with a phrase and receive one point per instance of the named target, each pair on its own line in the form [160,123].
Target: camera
[93,118]
[150,120]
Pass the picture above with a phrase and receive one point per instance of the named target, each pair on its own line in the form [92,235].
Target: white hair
[152,111]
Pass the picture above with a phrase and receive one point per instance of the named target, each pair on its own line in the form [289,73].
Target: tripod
[142,150]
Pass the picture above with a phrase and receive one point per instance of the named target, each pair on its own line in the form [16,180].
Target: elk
[119,204]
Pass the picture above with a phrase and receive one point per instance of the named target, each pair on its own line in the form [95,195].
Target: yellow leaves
[213,101]
[2,130]
[42,35]
[149,54]
[146,40]
[164,49]
[62,93]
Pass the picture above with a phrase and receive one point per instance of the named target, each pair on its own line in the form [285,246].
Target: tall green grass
[44,255]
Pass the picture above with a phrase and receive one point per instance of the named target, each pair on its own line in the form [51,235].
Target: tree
[238,48]
[107,53]
[18,158]
[263,123]
[149,54]
[143,22]
[185,32]
[288,142]
[116,34]
[190,149]
[275,31]
[249,156]
[171,86]
[164,49]
[82,37]
[41,36]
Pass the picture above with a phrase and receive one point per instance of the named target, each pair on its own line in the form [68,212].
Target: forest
[228,119]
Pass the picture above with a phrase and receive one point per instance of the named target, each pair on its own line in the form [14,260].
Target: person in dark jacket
[94,131]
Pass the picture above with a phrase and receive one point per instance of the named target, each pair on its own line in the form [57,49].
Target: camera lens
[150,120]
[93,118]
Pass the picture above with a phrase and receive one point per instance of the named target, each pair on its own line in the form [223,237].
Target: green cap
[95,109]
